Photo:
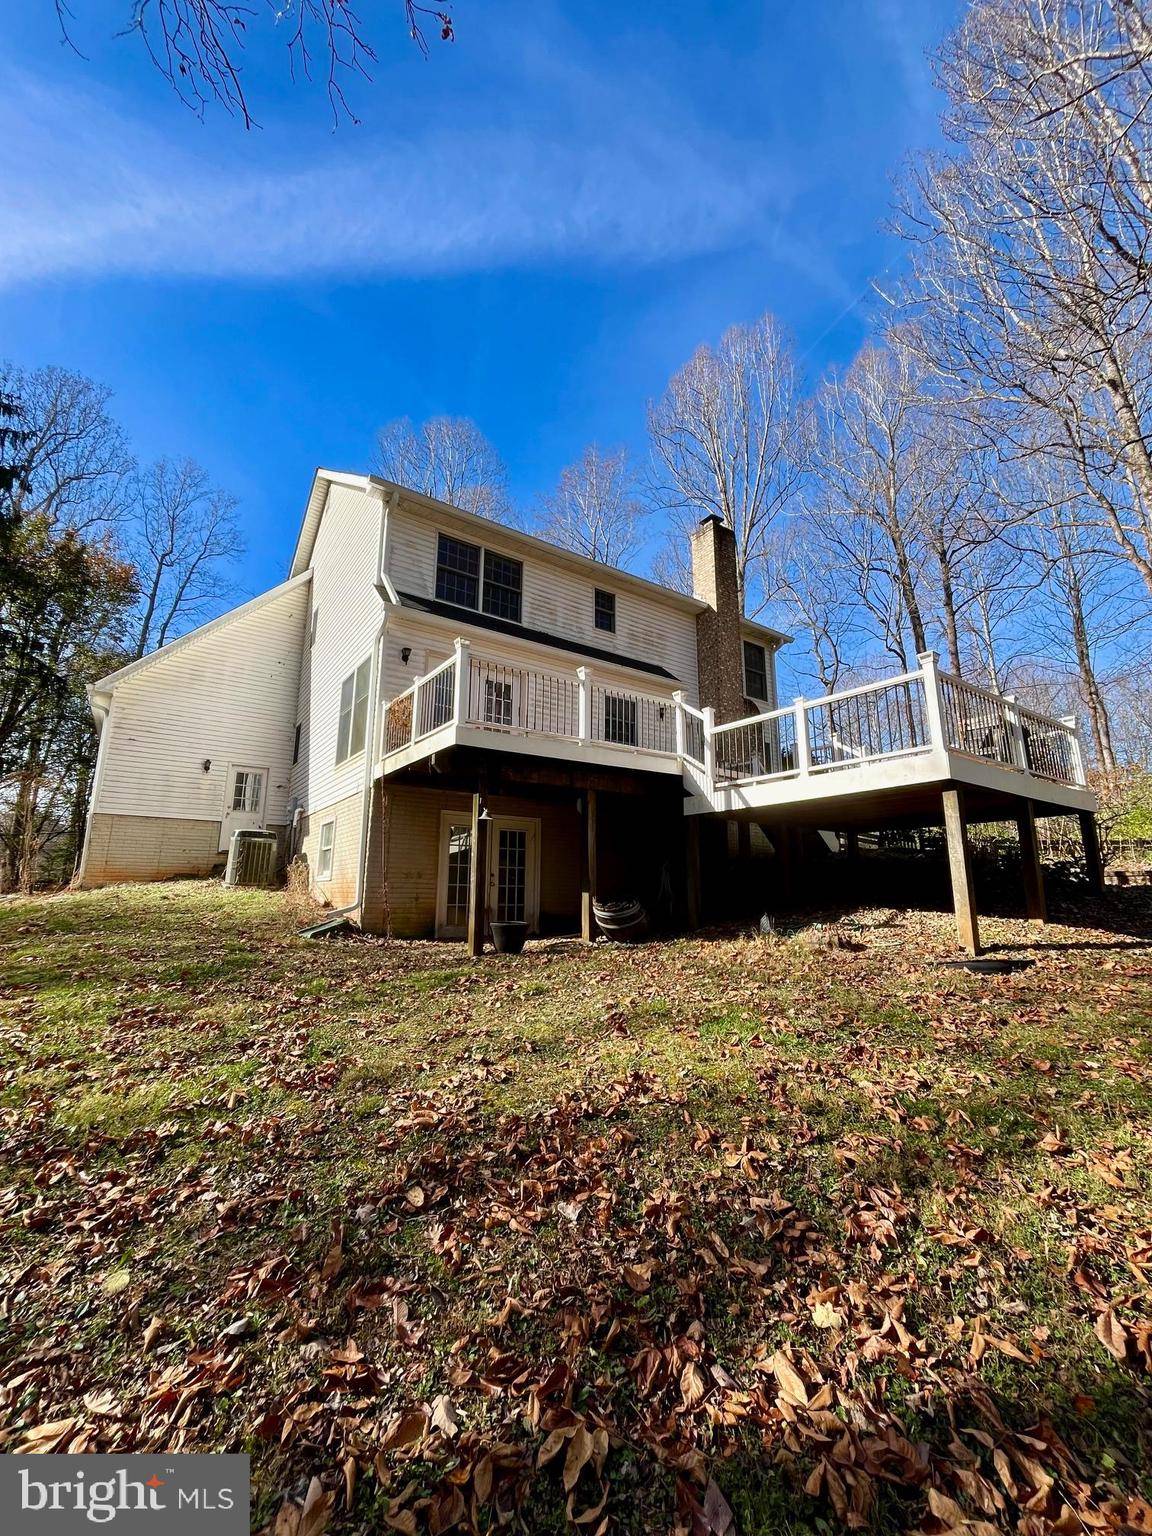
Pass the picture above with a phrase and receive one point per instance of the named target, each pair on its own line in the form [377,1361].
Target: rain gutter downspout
[101,713]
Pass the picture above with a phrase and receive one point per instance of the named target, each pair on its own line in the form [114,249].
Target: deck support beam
[1093,863]
[478,877]
[1035,904]
[588,870]
[960,869]
[692,871]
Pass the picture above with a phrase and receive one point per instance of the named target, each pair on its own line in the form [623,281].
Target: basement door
[513,873]
[244,801]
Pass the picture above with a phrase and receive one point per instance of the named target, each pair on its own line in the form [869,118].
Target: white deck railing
[918,712]
[474,693]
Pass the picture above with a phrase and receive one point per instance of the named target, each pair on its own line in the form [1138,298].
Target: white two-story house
[449,721]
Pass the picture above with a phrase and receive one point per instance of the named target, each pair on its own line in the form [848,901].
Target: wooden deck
[886,749]
[919,749]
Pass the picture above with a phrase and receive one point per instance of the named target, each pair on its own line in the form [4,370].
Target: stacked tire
[622,921]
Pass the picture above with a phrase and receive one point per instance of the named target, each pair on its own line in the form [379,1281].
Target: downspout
[101,713]
[373,720]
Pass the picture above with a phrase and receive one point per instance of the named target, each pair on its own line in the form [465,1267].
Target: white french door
[513,872]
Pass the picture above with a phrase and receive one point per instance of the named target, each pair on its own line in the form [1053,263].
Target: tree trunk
[1098,716]
[948,603]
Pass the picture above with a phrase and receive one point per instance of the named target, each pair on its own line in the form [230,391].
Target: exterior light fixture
[206,764]
[405,652]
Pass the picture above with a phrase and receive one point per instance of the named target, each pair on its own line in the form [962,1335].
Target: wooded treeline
[101,560]
[977,481]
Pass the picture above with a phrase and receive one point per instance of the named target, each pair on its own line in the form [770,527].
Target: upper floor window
[296,743]
[353,712]
[606,610]
[472,577]
[312,626]
[457,572]
[755,671]
[503,584]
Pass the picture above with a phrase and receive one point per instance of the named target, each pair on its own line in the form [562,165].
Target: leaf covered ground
[720,1235]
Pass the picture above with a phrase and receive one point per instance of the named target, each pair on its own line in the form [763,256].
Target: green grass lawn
[724,1234]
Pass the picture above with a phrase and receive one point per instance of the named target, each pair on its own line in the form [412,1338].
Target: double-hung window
[606,610]
[457,572]
[324,851]
[471,577]
[755,671]
[503,585]
[353,712]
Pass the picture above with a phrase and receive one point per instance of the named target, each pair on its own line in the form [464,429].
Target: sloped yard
[720,1235]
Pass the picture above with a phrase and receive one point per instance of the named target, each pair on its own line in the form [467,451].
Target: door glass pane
[511,878]
[620,720]
[246,791]
[497,702]
[459,868]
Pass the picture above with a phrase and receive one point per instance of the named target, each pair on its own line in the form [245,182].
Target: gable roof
[106,685]
[607,576]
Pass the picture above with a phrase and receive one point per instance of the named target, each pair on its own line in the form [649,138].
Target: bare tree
[1033,239]
[728,437]
[447,457]
[595,509]
[184,538]
[875,481]
[812,592]
[199,46]
[74,461]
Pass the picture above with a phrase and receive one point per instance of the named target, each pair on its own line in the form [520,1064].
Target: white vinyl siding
[344,594]
[226,697]
[556,599]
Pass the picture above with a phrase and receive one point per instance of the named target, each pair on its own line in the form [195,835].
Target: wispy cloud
[87,190]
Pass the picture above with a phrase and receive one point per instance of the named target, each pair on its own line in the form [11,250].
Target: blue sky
[533,227]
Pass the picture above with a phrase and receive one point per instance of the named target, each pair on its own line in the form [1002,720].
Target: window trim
[602,598]
[484,554]
[441,565]
[488,582]
[354,712]
[755,645]
[325,855]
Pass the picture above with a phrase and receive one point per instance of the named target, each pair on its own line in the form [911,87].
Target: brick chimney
[720,654]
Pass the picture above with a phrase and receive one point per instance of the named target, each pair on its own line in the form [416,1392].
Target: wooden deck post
[478,878]
[960,869]
[692,870]
[1034,903]
[1093,863]
[588,868]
